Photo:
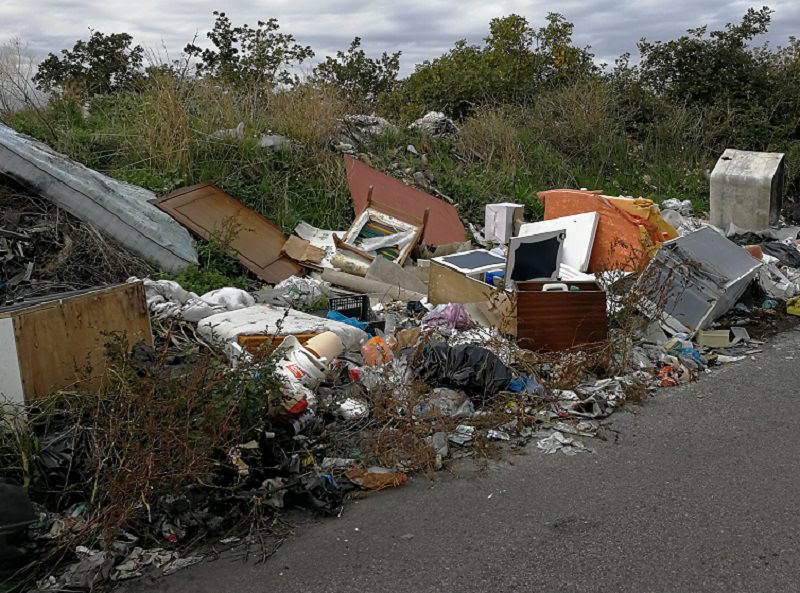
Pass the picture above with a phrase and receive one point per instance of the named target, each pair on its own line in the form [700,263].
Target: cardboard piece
[445,225]
[503,221]
[536,257]
[205,209]
[302,251]
[695,279]
[580,233]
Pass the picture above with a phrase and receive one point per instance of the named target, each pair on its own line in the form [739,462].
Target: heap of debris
[376,352]
[45,250]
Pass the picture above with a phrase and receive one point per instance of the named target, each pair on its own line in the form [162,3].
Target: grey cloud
[420,29]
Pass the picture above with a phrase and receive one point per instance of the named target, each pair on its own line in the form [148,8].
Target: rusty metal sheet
[205,208]
[444,226]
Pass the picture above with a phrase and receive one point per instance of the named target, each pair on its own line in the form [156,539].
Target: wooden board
[446,285]
[444,225]
[205,209]
[556,321]
[62,342]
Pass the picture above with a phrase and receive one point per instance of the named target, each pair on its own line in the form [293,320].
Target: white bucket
[301,364]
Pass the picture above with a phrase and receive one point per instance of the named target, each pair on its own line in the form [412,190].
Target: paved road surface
[699,494]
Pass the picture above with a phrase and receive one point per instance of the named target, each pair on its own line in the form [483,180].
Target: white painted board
[10,374]
[580,229]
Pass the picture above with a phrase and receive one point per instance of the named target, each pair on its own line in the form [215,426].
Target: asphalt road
[698,494]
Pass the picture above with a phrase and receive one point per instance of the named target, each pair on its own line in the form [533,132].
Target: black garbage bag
[788,255]
[475,370]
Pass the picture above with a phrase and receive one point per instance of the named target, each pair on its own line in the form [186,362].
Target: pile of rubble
[399,343]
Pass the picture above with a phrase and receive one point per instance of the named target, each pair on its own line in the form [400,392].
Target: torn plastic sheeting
[774,283]
[558,442]
[261,319]
[451,316]
[399,240]
[624,239]
[444,225]
[119,210]
[696,279]
[478,371]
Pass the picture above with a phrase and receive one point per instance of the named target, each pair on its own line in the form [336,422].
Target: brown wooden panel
[443,223]
[555,321]
[205,209]
[62,342]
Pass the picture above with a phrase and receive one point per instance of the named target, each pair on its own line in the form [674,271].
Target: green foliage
[217,264]
[243,55]
[360,78]
[103,64]
[513,65]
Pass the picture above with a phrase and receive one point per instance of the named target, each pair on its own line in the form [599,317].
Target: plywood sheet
[444,226]
[446,285]
[62,342]
[205,209]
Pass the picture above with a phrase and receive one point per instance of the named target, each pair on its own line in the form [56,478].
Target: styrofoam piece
[501,220]
[119,210]
[269,319]
[580,230]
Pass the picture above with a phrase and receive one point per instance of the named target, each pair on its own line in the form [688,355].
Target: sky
[421,29]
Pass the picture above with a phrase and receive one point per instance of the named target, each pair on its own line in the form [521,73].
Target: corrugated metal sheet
[444,226]
[205,208]
[556,321]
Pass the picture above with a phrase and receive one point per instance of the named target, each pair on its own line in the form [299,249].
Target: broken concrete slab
[119,210]
[747,189]
[444,225]
[205,209]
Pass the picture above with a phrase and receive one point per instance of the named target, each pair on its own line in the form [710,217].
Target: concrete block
[747,189]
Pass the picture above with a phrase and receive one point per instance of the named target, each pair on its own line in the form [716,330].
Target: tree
[103,64]
[707,68]
[514,63]
[246,56]
[359,77]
